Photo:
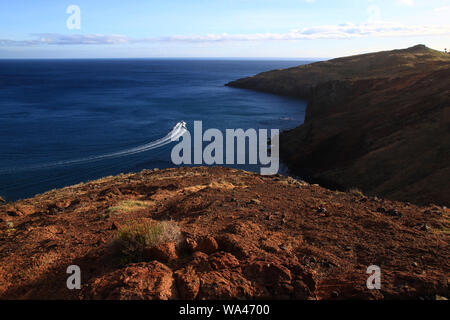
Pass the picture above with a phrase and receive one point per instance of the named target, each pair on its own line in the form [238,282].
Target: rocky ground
[243,236]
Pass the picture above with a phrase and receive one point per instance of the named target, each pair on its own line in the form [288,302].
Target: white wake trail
[178,130]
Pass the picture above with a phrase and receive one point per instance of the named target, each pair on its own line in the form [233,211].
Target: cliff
[379,122]
[216,233]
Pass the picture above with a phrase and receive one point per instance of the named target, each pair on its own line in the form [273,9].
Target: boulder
[164,252]
[141,281]
[188,283]
[207,245]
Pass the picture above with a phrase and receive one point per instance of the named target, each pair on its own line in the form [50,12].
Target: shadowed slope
[380,122]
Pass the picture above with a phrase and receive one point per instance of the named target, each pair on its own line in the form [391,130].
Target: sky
[218,28]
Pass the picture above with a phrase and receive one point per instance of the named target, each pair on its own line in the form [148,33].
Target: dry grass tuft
[129,206]
[132,239]
[356,192]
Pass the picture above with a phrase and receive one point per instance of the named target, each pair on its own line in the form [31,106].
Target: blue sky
[220,28]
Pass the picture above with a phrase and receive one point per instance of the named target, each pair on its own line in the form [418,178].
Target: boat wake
[178,130]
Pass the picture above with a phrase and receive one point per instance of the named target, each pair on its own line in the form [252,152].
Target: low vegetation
[445,225]
[132,239]
[128,206]
[356,192]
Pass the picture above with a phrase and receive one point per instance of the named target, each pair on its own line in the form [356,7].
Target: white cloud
[409,3]
[445,9]
[343,31]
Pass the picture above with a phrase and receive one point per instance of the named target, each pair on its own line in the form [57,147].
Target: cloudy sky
[218,28]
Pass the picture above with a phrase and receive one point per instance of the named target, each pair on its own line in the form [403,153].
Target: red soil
[244,236]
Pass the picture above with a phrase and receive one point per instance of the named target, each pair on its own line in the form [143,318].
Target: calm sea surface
[61,110]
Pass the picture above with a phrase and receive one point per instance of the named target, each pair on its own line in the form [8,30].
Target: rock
[190,244]
[199,260]
[269,272]
[301,290]
[26,209]
[63,204]
[164,252]
[225,285]
[13,213]
[390,212]
[222,260]
[245,229]
[270,246]
[255,201]
[188,283]
[232,244]
[393,213]
[321,210]
[49,244]
[141,281]
[53,229]
[207,245]
[425,227]
[2,200]
[115,226]
[273,276]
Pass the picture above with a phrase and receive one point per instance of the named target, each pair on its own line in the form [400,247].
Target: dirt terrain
[242,236]
[379,122]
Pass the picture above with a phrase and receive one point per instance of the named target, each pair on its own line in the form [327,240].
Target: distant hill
[299,81]
[378,121]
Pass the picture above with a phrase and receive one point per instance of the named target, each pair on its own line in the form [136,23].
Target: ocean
[55,112]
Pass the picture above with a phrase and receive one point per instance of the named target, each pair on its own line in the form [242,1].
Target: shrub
[128,206]
[356,192]
[132,239]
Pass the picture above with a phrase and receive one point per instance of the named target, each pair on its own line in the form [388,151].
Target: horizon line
[173,58]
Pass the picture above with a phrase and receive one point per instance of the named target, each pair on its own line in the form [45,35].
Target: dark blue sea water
[60,110]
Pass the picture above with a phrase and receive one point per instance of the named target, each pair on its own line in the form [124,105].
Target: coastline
[362,128]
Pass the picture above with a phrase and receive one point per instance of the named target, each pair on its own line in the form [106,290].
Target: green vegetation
[128,206]
[445,227]
[132,239]
[356,192]
[10,228]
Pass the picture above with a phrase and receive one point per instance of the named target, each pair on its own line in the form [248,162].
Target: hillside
[379,122]
[300,81]
[226,234]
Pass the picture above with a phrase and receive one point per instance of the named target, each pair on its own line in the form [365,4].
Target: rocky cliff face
[225,234]
[379,122]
